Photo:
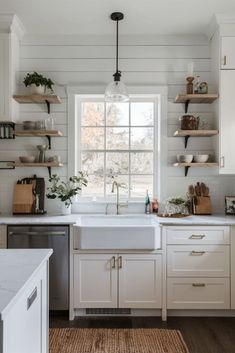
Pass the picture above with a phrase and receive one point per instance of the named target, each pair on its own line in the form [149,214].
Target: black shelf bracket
[48,106]
[186,170]
[185,141]
[49,171]
[185,106]
[49,141]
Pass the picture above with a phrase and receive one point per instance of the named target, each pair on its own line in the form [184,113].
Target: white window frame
[160,142]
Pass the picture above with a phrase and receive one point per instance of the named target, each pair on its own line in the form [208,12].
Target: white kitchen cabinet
[198,293]
[25,327]
[205,235]
[198,260]
[228,53]
[198,267]
[140,281]
[117,280]
[95,281]
[227,122]
[3,237]
[23,324]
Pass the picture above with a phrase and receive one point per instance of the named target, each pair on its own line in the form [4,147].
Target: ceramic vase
[37,89]
[65,210]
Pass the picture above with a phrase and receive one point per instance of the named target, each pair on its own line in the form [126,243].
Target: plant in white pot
[66,191]
[38,83]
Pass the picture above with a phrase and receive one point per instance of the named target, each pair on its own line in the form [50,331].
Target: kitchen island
[24,300]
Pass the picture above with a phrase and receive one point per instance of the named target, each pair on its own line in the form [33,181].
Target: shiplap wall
[90,60]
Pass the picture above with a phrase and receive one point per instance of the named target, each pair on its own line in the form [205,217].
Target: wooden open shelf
[37,165]
[46,164]
[186,166]
[197,133]
[194,133]
[39,133]
[196,98]
[38,98]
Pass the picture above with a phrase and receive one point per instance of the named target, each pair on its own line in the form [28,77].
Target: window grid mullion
[105,149]
[129,177]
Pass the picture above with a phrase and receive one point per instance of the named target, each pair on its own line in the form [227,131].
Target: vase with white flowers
[66,191]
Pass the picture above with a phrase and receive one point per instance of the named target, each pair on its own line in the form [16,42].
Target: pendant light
[116,91]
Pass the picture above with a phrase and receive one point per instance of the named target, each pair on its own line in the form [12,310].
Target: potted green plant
[38,83]
[177,205]
[66,191]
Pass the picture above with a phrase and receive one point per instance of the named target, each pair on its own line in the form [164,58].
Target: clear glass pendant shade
[116,91]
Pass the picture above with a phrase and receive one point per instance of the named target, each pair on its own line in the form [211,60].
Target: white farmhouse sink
[117,232]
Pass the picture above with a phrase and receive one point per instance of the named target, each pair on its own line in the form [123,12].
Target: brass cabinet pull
[222,162]
[113,262]
[225,60]
[197,236]
[198,284]
[197,253]
[119,261]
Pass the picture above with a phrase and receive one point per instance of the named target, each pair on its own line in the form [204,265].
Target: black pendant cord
[117,16]
[117,48]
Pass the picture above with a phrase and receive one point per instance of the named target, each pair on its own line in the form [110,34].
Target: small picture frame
[230,205]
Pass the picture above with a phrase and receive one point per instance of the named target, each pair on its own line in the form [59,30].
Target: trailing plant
[66,191]
[38,80]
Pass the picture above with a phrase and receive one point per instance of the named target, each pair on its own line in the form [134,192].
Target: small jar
[154,205]
[189,122]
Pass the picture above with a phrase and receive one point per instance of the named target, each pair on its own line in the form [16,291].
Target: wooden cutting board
[23,198]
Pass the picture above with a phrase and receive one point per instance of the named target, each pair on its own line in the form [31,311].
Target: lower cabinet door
[22,328]
[140,281]
[95,281]
[198,293]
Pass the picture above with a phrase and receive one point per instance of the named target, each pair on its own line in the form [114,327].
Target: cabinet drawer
[198,293]
[198,260]
[198,235]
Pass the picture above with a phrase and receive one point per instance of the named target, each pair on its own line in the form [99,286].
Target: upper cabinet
[222,41]
[227,53]
[227,122]
[11,31]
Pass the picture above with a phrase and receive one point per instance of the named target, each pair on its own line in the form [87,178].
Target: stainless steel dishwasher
[53,237]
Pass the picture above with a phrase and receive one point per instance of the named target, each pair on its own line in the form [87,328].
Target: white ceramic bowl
[184,158]
[27,159]
[201,158]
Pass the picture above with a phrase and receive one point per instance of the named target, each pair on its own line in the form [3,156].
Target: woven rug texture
[77,340]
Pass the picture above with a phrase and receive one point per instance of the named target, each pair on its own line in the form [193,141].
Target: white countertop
[17,267]
[75,218]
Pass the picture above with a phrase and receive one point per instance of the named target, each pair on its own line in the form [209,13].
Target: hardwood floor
[201,334]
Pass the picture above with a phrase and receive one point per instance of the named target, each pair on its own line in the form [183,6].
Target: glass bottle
[197,84]
[147,203]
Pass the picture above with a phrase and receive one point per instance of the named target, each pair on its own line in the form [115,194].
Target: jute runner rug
[76,340]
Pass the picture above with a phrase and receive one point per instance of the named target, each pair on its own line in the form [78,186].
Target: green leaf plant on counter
[66,191]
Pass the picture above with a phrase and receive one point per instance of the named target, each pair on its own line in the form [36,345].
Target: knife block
[24,201]
[202,205]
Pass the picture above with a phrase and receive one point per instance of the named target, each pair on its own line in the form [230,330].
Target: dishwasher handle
[53,233]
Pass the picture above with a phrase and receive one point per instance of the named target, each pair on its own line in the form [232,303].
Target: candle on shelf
[190,78]
[191,69]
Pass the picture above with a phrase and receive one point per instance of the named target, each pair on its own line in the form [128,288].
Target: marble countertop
[17,268]
[75,218]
